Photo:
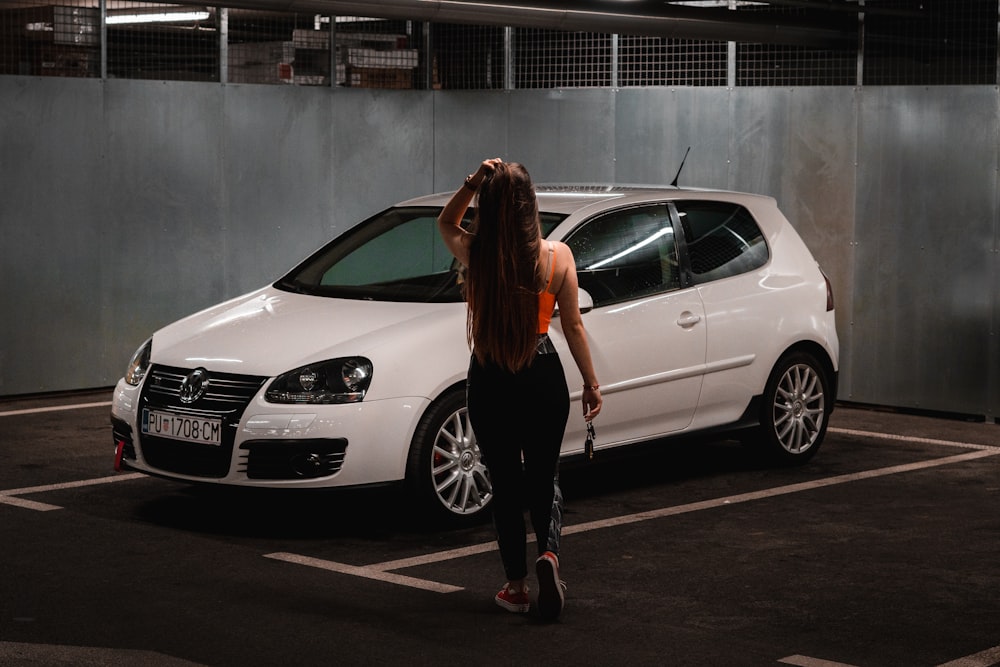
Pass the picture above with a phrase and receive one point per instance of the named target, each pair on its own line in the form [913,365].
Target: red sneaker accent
[513,601]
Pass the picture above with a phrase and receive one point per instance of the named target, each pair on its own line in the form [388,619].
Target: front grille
[226,392]
[292,459]
[226,397]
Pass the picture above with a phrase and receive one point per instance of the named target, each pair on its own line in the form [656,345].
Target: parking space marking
[439,556]
[779,491]
[27,504]
[806,661]
[987,658]
[384,571]
[908,438]
[374,572]
[10,496]
[380,571]
[54,408]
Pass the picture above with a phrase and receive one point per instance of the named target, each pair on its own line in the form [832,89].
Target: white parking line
[777,491]
[9,496]
[55,408]
[806,661]
[373,572]
[987,658]
[27,504]
[907,438]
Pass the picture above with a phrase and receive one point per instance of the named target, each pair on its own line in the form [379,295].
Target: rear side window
[626,254]
[722,239]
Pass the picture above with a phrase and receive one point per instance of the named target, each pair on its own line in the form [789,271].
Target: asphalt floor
[880,552]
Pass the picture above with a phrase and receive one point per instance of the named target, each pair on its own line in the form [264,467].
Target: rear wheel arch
[822,356]
[796,404]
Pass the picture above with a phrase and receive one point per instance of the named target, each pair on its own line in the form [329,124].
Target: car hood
[269,332]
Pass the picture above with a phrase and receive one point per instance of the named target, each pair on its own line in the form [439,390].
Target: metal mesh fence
[834,64]
[557,59]
[469,57]
[50,40]
[930,42]
[657,61]
[375,53]
[147,41]
[277,47]
[784,65]
[885,42]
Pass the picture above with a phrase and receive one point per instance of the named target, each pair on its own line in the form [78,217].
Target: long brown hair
[502,281]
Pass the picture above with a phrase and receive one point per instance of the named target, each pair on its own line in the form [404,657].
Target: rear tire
[795,409]
[445,467]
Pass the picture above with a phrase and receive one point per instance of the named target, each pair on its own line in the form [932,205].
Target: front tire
[795,409]
[445,467]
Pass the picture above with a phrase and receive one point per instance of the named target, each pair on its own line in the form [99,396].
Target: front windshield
[398,255]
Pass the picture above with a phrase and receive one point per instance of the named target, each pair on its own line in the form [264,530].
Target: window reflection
[626,254]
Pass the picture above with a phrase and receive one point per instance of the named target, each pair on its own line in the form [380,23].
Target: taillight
[829,292]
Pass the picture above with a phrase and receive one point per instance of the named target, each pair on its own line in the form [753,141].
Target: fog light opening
[307,465]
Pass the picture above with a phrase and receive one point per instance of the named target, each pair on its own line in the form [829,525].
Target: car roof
[567,198]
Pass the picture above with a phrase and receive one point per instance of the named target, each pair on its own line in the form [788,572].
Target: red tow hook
[118,455]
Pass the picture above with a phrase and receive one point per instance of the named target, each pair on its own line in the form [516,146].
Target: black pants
[521,417]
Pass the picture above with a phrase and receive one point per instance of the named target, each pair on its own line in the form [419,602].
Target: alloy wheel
[799,409]
[461,480]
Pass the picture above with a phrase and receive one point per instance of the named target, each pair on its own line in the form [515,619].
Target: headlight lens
[139,364]
[343,380]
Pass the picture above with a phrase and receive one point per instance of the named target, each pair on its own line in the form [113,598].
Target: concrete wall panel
[53,207]
[127,204]
[654,127]
[924,281]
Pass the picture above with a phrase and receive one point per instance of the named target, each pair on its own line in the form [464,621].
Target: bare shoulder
[565,266]
[563,251]
[564,257]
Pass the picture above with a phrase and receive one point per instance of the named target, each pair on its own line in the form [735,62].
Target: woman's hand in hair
[486,168]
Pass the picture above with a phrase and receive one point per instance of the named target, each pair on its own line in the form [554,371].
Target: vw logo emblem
[194,385]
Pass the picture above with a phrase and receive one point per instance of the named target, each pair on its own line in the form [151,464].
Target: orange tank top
[547,300]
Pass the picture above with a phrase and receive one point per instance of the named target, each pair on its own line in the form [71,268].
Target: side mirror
[586,302]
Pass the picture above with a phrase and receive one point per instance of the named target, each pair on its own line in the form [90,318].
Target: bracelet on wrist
[468,183]
[595,387]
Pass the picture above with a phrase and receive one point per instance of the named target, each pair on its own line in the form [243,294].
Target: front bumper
[272,445]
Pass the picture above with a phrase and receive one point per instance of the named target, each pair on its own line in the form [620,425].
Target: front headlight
[139,364]
[343,380]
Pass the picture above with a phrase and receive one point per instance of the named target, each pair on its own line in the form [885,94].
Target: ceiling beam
[639,18]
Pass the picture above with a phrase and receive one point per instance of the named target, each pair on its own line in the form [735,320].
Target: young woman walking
[518,400]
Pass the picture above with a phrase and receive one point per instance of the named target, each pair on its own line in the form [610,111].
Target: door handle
[688,319]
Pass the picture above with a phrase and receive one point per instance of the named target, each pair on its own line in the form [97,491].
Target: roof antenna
[674,182]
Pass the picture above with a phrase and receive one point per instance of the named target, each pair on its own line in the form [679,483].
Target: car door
[725,251]
[647,332]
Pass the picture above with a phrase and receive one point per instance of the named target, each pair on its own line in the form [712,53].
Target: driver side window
[626,254]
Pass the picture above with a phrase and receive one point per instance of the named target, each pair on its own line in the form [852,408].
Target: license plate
[182,427]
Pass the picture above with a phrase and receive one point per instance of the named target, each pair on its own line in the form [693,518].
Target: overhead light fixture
[186,16]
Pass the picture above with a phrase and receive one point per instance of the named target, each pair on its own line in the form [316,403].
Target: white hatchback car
[705,311]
